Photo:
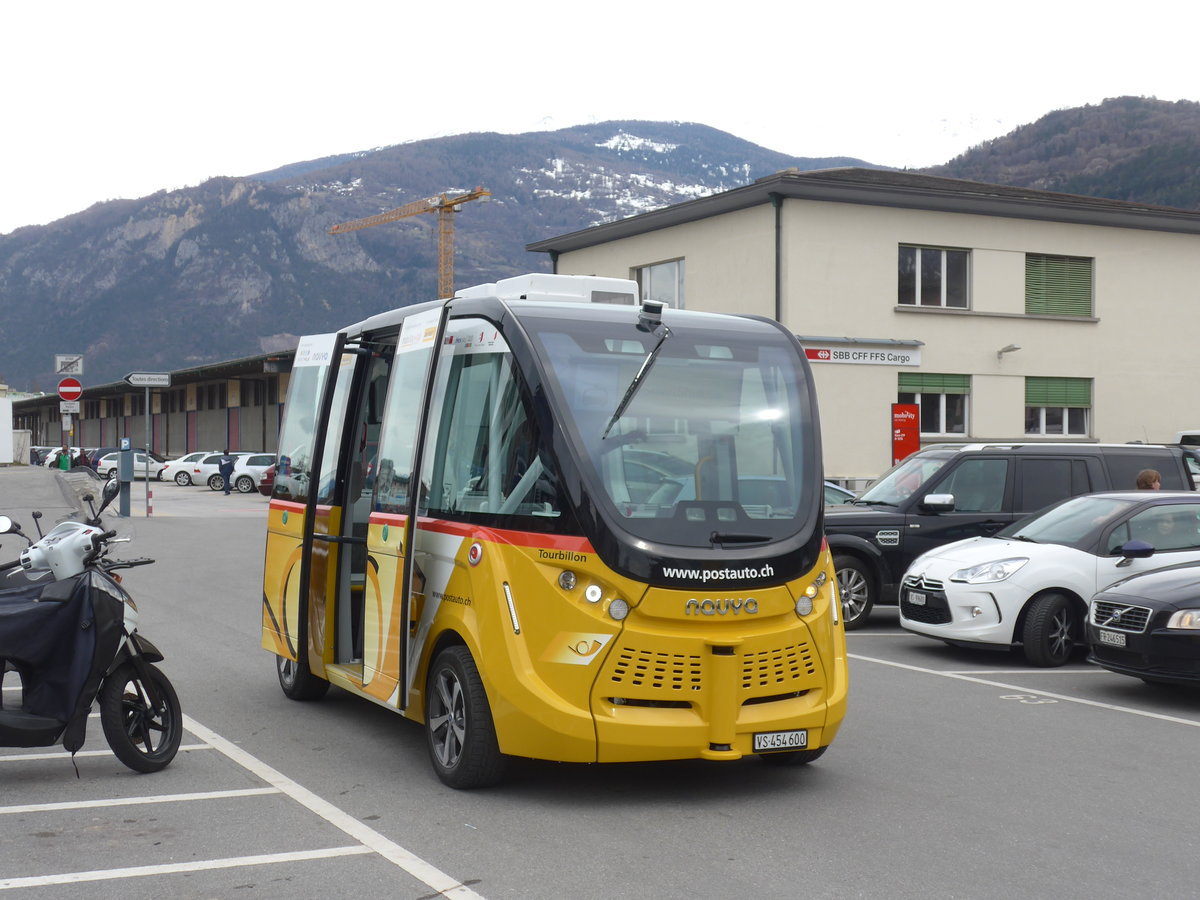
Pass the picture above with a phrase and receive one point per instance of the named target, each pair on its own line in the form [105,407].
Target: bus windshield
[718,438]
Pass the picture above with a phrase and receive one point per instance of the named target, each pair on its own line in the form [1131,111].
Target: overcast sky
[121,99]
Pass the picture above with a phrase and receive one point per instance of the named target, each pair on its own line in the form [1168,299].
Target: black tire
[298,681]
[183,479]
[793,757]
[111,473]
[142,721]
[1052,627]
[458,723]
[244,484]
[216,483]
[158,475]
[856,587]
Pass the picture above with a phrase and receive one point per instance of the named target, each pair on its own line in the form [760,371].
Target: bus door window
[363,405]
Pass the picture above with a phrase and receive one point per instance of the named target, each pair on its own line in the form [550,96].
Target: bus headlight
[566,580]
[804,606]
[618,609]
[592,594]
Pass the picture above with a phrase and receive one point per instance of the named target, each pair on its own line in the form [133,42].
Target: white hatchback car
[248,470]
[109,463]
[207,469]
[1030,584]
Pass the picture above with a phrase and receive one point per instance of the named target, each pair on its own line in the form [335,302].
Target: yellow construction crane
[445,206]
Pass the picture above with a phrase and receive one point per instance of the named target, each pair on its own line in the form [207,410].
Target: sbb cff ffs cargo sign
[70,389]
[865,355]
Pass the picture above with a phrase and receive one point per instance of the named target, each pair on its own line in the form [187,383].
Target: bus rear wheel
[458,723]
[297,680]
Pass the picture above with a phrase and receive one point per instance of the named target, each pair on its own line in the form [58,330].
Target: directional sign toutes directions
[70,389]
[149,379]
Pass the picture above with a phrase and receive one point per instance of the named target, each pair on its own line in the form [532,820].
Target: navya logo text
[722,607]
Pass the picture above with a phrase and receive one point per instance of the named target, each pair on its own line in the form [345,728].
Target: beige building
[1005,314]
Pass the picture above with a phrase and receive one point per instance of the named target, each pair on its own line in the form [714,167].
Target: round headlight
[804,606]
[592,594]
[618,609]
[566,580]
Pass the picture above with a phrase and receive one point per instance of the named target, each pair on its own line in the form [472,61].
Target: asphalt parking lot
[956,774]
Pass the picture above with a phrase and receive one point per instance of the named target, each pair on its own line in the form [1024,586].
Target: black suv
[944,493]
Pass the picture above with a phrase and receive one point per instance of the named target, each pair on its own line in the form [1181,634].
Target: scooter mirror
[112,488]
[7,525]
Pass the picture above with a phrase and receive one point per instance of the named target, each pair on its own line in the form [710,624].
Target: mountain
[239,266]
[1139,149]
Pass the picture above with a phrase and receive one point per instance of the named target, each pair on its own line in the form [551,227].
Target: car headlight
[1187,619]
[989,572]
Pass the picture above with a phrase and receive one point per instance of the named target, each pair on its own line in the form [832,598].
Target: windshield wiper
[726,537]
[1021,537]
[648,320]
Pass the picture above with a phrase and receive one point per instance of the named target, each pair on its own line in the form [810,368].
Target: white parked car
[207,469]
[1030,584]
[248,471]
[110,462]
[180,470]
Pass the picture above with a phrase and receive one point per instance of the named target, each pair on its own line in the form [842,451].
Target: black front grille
[935,610]
[1120,616]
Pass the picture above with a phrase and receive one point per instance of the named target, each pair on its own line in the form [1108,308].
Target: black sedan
[1148,626]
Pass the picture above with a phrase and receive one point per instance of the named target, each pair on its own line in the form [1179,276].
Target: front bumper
[957,612]
[1160,654]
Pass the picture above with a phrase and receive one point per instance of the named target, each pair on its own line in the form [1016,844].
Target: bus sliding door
[292,628]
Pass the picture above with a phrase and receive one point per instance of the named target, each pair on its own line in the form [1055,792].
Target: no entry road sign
[70,389]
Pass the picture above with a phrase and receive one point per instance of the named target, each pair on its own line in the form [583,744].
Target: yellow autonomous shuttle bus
[548,521]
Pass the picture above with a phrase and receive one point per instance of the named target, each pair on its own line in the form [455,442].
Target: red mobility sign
[70,389]
[906,430]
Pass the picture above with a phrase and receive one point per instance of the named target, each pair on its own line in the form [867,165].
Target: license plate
[1115,638]
[781,740]
[916,598]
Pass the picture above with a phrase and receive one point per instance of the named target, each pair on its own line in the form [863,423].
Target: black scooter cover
[61,637]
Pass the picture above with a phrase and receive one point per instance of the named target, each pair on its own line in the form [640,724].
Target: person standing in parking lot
[225,467]
[1149,480]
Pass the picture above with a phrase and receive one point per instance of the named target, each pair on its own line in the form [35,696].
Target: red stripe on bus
[505,536]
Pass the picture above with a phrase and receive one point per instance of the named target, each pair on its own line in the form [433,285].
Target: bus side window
[487,456]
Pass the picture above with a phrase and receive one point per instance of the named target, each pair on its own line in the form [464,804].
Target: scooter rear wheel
[141,717]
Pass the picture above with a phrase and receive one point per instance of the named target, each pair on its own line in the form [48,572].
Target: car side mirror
[938,503]
[1132,550]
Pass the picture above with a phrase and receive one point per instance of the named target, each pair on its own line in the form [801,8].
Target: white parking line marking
[175,868]
[389,850]
[135,801]
[1061,670]
[1028,690]
[63,754]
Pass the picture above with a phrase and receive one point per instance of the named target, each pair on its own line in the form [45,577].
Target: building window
[1058,285]
[942,399]
[933,277]
[662,281]
[1058,406]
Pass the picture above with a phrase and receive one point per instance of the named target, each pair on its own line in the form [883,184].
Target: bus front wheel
[458,723]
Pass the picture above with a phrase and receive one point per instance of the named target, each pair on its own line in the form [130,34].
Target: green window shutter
[933,383]
[1075,392]
[1058,285]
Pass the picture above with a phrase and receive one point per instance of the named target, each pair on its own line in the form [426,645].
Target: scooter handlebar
[9,565]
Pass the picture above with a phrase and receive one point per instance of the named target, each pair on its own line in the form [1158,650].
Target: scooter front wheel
[141,717]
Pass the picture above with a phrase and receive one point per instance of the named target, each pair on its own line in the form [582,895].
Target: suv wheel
[856,590]
[1051,628]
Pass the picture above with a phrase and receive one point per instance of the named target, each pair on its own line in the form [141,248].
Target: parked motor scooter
[69,630]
